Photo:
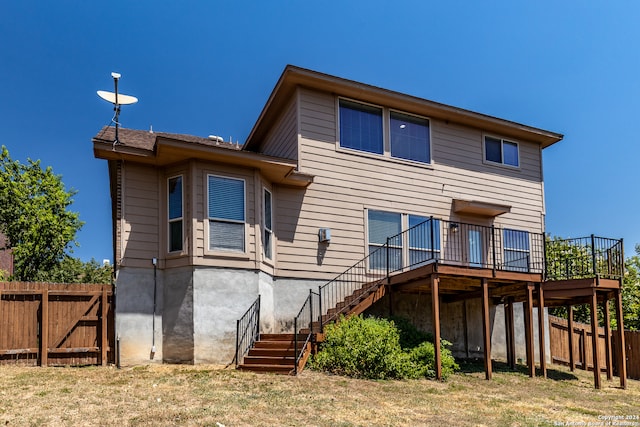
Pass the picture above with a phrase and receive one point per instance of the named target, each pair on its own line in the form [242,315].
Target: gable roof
[161,149]
[293,77]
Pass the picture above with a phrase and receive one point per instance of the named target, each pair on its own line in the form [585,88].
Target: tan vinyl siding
[346,183]
[282,139]
[139,224]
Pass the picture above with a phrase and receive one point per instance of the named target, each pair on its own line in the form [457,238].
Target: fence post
[44,327]
[593,254]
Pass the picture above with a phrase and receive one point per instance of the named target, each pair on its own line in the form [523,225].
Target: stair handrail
[304,323]
[247,331]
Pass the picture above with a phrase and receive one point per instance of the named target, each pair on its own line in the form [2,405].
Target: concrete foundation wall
[220,297]
[461,324]
[289,295]
[197,309]
[177,316]
[134,316]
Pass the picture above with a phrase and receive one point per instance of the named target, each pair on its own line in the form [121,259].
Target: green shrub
[370,348]
[410,336]
[423,356]
[363,348]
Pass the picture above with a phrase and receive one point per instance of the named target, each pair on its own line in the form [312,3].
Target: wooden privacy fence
[582,346]
[56,324]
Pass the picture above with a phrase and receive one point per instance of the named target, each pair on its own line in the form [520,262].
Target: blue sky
[208,67]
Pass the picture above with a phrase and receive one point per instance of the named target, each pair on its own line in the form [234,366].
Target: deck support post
[622,356]
[486,329]
[572,358]
[528,329]
[541,340]
[594,339]
[607,339]
[435,311]
[510,332]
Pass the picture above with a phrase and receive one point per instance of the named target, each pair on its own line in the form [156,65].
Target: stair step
[265,360]
[278,337]
[276,369]
[270,352]
[281,345]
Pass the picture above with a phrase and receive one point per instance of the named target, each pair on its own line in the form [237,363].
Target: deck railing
[584,257]
[451,243]
[303,327]
[247,331]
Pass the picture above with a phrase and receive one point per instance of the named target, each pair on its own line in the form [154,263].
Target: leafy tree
[34,216]
[73,270]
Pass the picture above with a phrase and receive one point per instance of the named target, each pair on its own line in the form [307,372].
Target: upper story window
[361,127]
[378,130]
[267,243]
[226,203]
[501,151]
[409,137]
[174,189]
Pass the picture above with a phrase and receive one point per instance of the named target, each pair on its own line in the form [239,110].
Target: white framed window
[267,240]
[517,251]
[424,239]
[376,130]
[226,213]
[419,245]
[383,225]
[501,151]
[175,214]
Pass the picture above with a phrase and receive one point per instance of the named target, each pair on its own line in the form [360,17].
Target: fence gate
[56,324]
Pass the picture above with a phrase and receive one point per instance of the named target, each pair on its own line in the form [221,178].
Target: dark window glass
[175,213]
[409,137]
[361,127]
[493,149]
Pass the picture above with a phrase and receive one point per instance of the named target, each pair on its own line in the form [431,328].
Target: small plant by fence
[56,324]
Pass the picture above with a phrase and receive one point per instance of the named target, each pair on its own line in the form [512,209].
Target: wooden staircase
[274,353]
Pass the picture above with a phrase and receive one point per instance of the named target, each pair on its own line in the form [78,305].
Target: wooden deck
[450,283]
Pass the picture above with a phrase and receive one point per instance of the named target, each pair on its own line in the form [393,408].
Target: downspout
[155,297]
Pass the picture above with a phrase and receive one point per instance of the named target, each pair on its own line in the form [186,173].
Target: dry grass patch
[207,395]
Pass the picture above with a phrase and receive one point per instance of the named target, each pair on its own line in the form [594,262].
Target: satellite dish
[121,99]
[117,100]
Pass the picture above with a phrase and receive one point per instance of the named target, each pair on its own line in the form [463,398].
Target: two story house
[330,171]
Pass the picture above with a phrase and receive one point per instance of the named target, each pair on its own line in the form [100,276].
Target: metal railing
[247,330]
[446,242]
[303,328]
[369,272]
[584,257]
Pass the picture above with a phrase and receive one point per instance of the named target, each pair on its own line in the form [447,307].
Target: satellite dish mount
[117,100]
